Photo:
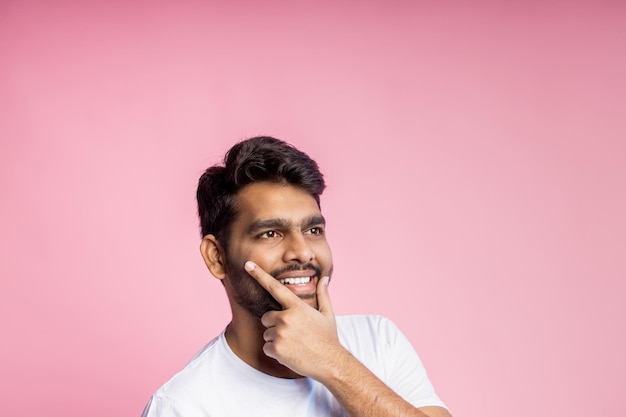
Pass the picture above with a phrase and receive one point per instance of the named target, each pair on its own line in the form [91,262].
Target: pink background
[475,159]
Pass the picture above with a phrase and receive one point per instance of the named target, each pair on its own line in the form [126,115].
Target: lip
[304,291]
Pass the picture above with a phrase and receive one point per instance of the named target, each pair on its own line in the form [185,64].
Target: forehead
[267,200]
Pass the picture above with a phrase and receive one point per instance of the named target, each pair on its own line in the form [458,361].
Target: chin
[311,300]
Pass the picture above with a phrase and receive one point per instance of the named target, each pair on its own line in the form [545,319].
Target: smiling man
[284,353]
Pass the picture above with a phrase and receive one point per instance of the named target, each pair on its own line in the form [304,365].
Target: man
[285,353]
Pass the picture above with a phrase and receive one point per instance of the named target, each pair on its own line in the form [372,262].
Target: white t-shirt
[217,383]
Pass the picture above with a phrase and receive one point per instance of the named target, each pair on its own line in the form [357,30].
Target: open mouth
[303,287]
[295,281]
[300,279]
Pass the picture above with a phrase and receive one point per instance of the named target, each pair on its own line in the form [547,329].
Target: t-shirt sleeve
[405,372]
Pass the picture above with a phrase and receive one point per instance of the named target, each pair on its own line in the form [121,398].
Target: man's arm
[305,340]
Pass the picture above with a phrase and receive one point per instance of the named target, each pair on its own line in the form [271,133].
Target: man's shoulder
[362,322]
[363,332]
[194,374]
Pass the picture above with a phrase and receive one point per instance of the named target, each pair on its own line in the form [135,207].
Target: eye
[316,231]
[270,234]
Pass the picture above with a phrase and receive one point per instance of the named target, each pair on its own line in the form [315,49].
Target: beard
[250,295]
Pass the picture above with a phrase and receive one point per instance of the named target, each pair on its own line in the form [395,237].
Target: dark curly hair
[261,158]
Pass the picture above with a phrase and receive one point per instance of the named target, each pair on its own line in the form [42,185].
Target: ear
[213,256]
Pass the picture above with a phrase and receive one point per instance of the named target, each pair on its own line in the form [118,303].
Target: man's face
[281,229]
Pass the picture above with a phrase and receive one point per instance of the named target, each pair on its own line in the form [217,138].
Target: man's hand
[299,336]
[305,340]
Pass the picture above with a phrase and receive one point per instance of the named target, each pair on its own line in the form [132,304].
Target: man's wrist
[335,366]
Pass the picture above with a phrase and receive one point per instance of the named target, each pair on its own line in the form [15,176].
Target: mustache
[305,267]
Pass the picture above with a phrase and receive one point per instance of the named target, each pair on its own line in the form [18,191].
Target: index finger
[277,290]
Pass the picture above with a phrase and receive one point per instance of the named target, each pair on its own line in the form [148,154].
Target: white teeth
[295,281]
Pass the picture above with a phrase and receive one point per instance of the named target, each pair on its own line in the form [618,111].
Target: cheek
[324,254]
[264,255]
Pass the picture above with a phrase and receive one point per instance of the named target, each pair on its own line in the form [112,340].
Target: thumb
[323,299]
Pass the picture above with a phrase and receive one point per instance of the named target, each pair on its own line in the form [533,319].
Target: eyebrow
[279,223]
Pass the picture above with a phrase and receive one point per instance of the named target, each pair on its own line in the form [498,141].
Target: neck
[244,335]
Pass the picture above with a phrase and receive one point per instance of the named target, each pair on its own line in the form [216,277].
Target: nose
[298,249]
